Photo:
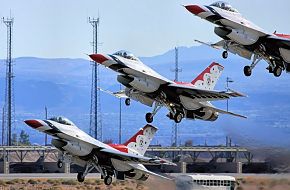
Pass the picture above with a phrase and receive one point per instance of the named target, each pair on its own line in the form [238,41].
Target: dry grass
[67,184]
[260,183]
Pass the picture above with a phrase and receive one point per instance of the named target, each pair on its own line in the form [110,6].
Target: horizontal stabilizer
[229,113]
[233,93]
[119,94]
[142,168]
[216,45]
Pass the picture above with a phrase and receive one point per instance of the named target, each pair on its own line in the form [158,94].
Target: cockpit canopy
[62,120]
[224,5]
[126,54]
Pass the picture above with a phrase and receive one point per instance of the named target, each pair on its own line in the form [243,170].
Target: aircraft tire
[149,117]
[108,180]
[247,71]
[59,164]
[178,117]
[225,54]
[80,177]
[127,101]
[277,71]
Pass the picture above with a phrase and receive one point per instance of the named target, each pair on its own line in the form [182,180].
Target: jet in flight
[242,37]
[119,160]
[183,100]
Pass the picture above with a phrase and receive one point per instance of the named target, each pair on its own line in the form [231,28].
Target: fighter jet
[119,160]
[183,100]
[242,37]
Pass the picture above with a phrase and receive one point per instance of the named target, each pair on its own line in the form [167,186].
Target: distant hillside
[64,86]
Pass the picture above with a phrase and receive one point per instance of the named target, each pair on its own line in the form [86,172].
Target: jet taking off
[119,160]
[183,100]
[244,38]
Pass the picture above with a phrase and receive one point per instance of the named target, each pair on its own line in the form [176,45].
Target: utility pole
[9,103]
[174,132]
[45,137]
[229,80]
[120,118]
[95,113]
[3,126]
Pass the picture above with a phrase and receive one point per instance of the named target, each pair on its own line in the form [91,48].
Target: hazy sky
[59,28]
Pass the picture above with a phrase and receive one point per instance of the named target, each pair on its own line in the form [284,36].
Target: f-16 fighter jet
[242,37]
[119,160]
[183,100]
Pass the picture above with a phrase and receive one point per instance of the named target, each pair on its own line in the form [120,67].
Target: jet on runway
[183,100]
[119,160]
[242,37]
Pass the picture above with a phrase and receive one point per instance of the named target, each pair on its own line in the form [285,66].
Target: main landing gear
[91,164]
[248,69]
[177,117]
[127,101]
[149,116]
[225,54]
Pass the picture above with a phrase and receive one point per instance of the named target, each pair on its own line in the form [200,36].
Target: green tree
[14,140]
[188,143]
[24,138]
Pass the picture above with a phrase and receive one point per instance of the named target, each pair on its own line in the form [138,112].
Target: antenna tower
[177,70]
[95,112]
[8,111]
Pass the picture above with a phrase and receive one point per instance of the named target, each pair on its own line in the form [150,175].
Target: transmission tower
[95,112]
[174,133]
[9,111]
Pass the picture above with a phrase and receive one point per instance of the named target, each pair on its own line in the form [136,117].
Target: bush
[32,181]
[70,182]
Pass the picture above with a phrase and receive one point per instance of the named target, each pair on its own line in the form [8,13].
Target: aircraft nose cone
[194,9]
[99,58]
[33,123]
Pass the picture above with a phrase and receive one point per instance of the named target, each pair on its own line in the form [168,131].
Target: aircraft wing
[276,40]
[142,169]
[200,95]
[232,47]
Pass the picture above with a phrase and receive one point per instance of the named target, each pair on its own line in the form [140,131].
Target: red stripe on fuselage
[283,35]
[119,147]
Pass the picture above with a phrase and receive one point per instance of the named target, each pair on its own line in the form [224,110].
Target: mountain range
[63,85]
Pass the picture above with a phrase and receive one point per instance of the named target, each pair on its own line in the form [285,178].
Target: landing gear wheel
[108,180]
[59,164]
[178,117]
[247,71]
[149,117]
[81,177]
[128,101]
[277,71]
[225,54]
[270,69]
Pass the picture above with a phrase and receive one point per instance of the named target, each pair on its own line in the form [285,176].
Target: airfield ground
[68,181]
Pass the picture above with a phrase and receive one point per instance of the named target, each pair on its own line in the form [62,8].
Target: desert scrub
[32,181]
[2,183]
[69,182]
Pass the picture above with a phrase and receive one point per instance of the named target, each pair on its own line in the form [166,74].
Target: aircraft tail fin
[209,77]
[141,140]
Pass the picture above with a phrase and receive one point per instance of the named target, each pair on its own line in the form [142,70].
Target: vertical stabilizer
[141,140]
[209,77]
